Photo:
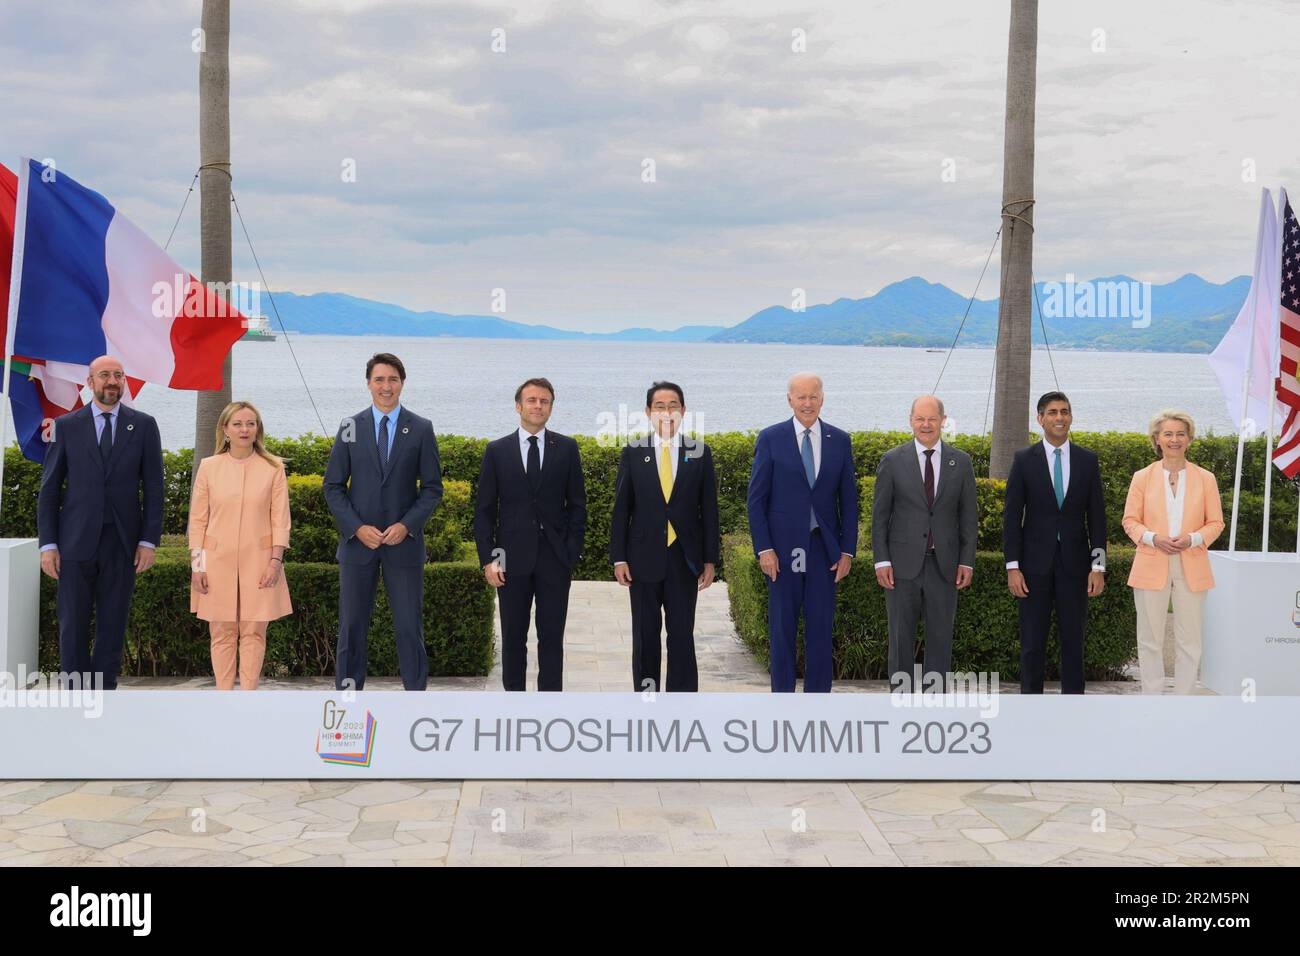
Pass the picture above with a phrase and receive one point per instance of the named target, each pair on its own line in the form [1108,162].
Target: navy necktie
[383,443]
[106,437]
[534,463]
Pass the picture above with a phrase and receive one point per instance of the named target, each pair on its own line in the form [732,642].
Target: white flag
[1230,358]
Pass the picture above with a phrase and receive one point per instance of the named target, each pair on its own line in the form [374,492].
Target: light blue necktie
[1058,480]
[1058,483]
[806,452]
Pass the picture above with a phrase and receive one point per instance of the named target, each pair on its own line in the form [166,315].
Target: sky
[833,147]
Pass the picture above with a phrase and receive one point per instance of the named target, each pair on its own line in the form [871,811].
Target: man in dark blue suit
[99,516]
[530,521]
[1054,541]
[382,483]
[803,518]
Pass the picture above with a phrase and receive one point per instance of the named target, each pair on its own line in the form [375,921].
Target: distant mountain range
[1186,315]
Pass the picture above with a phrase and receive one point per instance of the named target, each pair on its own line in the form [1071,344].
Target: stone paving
[617,823]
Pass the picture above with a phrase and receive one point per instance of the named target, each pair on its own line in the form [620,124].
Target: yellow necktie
[666,483]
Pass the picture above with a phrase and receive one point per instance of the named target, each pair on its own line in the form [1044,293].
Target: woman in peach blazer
[239,529]
[1173,515]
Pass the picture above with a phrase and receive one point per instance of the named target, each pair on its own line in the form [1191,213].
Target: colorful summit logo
[341,739]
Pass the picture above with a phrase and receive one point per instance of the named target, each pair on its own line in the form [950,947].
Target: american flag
[1287,454]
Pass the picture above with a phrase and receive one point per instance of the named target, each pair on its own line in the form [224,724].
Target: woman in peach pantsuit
[239,529]
[1173,515]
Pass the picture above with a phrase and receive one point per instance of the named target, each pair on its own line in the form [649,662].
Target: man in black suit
[1054,541]
[530,520]
[382,483]
[99,516]
[664,539]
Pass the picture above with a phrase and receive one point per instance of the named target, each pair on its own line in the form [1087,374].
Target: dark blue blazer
[510,519]
[359,492]
[638,531]
[779,496]
[1032,523]
[76,486]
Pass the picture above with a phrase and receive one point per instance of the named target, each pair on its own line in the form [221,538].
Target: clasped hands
[372,537]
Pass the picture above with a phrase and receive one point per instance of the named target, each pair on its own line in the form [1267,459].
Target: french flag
[88,283]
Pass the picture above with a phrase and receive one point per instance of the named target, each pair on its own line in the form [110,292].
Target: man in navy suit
[382,483]
[530,521]
[803,518]
[99,516]
[1054,542]
[664,539]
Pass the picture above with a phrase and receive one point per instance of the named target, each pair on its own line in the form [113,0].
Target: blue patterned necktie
[383,443]
[809,468]
[1058,480]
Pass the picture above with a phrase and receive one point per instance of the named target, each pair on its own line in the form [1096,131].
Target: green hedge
[165,639]
[985,635]
[1121,454]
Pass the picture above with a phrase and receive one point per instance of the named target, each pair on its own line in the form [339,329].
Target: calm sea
[466,386]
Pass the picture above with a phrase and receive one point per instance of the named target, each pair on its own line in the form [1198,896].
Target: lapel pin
[952,461]
[405,431]
[647,457]
[130,427]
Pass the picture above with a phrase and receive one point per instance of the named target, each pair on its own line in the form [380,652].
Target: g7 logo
[334,715]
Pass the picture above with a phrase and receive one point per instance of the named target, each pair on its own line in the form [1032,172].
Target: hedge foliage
[165,639]
[985,635]
[1121,454]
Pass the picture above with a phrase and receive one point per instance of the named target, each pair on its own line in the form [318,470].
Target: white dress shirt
[1175,499]
[523,447]
[815,436]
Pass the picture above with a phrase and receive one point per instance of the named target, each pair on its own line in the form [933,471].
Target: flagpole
[11,320]
[1275,353]
[1253,299]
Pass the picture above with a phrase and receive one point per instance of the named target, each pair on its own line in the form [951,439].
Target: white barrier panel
[20,604]
[390,734]
[1252,624]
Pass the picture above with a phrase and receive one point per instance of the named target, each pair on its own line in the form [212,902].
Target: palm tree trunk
[1011,391]
[214,194]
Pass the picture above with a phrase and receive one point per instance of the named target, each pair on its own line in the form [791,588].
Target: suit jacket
[239,511]
[639,527]
[1145,511]
[902,521]
[1031,521]
[130,486]
[510,517]
[359,492]
[780,500]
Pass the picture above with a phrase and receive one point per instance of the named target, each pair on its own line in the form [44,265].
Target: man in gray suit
[382,483]
[923,527]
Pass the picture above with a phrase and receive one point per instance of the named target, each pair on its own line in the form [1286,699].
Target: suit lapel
[943,472]
[830,455]
[1156,499]
[400,428]
[125,432]
[366,426]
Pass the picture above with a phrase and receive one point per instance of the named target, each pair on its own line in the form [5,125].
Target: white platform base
[1252,624]
[20,604]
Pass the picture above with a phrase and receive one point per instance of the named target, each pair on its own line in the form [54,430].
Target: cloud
[523,169]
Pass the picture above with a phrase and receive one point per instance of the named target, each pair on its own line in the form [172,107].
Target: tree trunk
[1015,312]
[214,195]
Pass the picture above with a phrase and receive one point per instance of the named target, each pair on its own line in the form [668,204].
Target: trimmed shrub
[986,634]
[165,640]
